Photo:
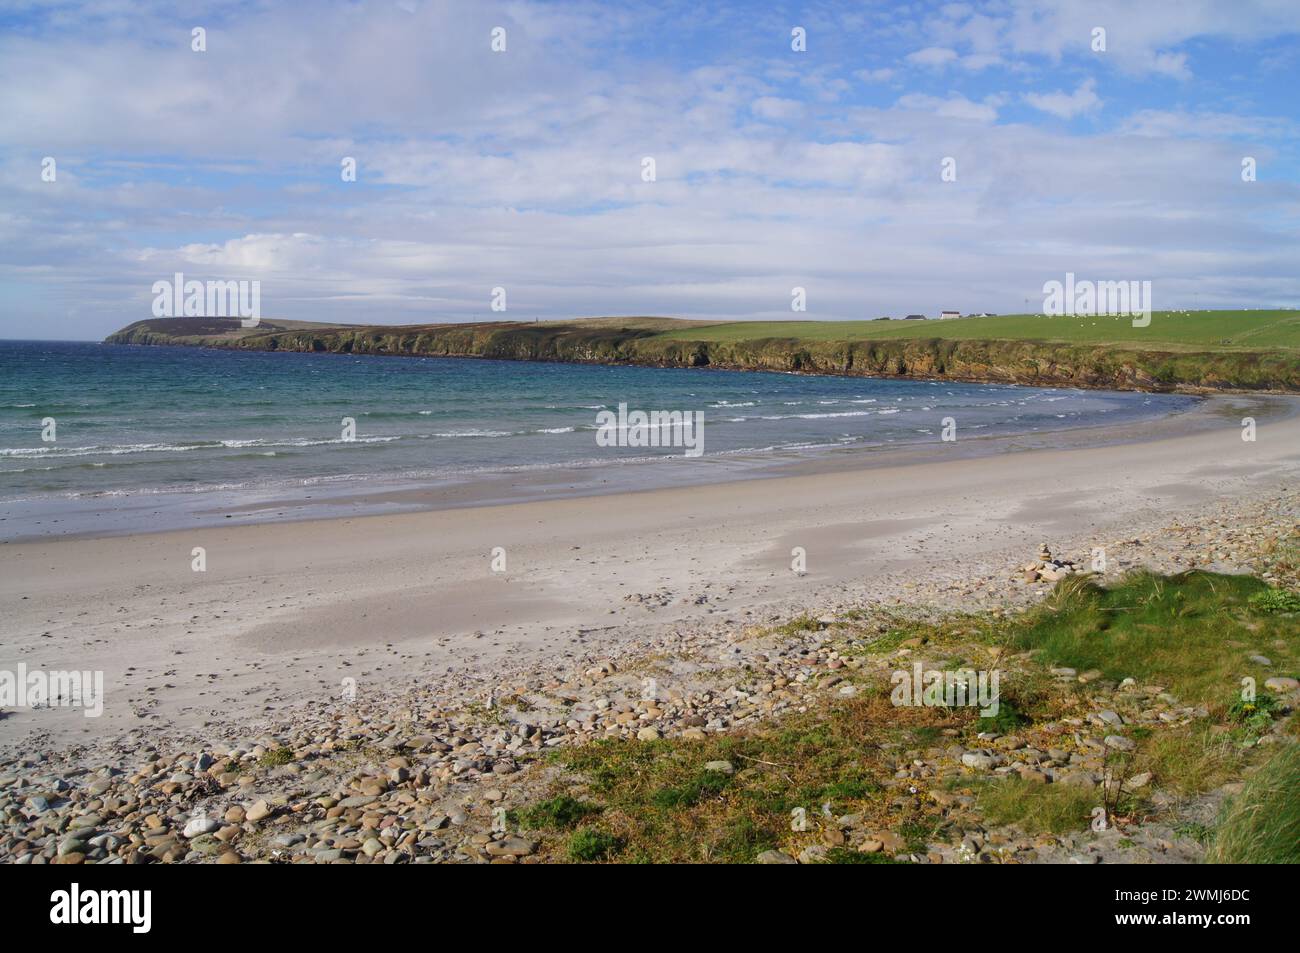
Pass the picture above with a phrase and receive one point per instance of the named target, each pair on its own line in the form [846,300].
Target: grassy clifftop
[1239,350]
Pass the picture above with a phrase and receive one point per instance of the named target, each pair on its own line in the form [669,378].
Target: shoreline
[166,511]
[285,610]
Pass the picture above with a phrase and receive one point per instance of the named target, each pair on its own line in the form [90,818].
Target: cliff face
[996,361]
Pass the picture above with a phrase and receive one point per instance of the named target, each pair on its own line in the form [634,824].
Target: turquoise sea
[196,425]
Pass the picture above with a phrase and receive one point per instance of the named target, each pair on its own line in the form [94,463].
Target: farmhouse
[946,315]
[915,317]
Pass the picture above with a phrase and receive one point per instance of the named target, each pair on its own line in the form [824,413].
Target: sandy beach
[285,612]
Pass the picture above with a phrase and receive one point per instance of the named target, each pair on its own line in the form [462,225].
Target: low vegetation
[1261,825]
[782,786]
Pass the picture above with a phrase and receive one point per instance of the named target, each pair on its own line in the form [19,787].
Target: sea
[93,437]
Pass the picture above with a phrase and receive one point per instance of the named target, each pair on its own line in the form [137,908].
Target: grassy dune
[1209,350]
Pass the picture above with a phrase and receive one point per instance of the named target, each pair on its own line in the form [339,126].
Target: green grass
[1276,600]
[1197,329]
[275,757]
[1191,760]
[558,813]
[1192,633]
[1036,808]
[591,844]
[1261,825]
[798,625]
[663,806]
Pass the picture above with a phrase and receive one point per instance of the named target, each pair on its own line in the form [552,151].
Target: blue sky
[522,169]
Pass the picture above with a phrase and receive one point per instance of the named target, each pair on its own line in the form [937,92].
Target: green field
[1191,330]
[1203,350]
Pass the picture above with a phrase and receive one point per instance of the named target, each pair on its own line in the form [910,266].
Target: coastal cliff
[651,342]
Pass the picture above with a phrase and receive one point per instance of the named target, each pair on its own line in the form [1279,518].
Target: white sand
[284,611]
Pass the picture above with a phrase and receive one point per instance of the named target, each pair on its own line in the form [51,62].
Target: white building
[945,315]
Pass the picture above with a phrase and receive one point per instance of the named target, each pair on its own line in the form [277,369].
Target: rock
[890,842]
[230,857]
[815,854]
[1282,684]
[720,767]
[1261,660]
[1078,779]
[978,760]
[648,733]
[774,857]
[259,810]
[1120,743]
[510,847]
[200,825]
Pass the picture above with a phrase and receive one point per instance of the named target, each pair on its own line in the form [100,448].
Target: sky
[913,157]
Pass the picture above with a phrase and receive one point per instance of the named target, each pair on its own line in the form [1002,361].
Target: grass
[1190,760]
[1276,600]
[1036,808]
[1261,825]
[797,626]
[1192,633]
[590,844]
[664,806]
[559,813]
[1218,329]
[275,757]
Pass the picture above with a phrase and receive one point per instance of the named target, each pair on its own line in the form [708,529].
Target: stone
[648,733]
[720,767]
[774,857]
[510,847]
[1120,743]
[200,825]
[258,811]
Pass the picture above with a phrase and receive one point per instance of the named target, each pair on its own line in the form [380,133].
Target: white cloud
[932,56]
[1067,105]
[524,170]
[955,106]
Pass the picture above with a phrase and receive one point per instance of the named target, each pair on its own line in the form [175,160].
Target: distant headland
[1177,350]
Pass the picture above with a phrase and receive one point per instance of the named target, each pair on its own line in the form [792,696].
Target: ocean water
[135,421]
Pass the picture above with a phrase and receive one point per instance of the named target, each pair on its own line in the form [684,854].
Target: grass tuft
[1261,825]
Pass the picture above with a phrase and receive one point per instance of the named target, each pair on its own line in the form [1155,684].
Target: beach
[285,613]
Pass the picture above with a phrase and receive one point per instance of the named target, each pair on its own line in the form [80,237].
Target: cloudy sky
[523,169]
